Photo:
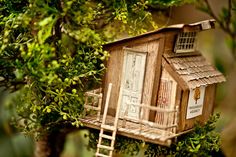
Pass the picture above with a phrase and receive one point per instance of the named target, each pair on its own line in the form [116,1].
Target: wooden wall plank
[183,110]
[114,72]
[135,41]
[157,77]
[179,94]
[113,75]
[152,48]
[206,111]
[208,102]
[170,38]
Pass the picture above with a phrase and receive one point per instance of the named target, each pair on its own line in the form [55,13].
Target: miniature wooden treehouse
[157,85]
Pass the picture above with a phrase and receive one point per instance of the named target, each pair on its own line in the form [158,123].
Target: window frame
[186,42]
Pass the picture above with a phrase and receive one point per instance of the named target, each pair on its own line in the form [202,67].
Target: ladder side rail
[99,145]
[106,103]
[116,122]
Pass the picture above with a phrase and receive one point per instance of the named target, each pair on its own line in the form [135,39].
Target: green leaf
[46,26]
[46,21]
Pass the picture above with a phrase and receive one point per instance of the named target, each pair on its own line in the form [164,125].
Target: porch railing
[93,101]
[166,120]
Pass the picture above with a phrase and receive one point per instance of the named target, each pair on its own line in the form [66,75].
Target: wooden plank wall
[170,38]
[183,110]
[150,71]
[185,124]
[209,102]
[114,71]
[178,98]
[113,75]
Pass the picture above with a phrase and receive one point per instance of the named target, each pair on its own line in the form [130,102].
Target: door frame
[125,52]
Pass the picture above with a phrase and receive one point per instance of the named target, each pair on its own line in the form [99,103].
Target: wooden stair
[102,149]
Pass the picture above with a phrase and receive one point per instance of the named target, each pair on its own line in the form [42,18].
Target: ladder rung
[101,155]
[107,137]
[105,147]
[108,127]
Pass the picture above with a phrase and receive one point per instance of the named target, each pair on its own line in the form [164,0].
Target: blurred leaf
[46,26]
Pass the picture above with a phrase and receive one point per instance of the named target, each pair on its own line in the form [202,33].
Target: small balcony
[160,130]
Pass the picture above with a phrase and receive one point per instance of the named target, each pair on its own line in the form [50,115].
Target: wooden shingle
[195,70]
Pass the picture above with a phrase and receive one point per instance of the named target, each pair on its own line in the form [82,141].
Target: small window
[185,42]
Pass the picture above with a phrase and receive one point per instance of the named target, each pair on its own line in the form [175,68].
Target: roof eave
[204,25]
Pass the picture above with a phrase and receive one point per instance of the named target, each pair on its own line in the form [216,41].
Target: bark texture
[50,144]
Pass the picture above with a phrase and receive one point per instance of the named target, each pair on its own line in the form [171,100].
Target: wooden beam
[157,77]
[174,74]
[183,111]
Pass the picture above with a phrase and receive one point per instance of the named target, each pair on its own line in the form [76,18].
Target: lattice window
[186,42]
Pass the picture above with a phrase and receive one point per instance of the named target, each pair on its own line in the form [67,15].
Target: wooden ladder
[108,128]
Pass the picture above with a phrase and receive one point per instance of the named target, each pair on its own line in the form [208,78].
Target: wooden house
[156,87]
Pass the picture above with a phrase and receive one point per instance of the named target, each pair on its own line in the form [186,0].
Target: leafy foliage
[51,52]
[202,141]
[123,145]
[51,63]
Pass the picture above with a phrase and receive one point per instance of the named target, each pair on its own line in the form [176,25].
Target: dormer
[186,42]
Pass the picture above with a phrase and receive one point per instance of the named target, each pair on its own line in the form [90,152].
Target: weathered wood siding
[150,72]
[114,71]
[170,38]
[209,102]
[185,124]
[113,75]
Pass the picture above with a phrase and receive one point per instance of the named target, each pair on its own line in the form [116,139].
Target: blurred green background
[213,46]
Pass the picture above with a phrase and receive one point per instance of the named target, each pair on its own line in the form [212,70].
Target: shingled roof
[195,70]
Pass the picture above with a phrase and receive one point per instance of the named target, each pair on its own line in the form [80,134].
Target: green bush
[202,141]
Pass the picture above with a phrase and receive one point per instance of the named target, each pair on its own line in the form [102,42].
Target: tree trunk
[50,144]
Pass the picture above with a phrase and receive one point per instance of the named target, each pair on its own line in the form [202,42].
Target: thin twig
[224,23]
[229,13]
[212,14]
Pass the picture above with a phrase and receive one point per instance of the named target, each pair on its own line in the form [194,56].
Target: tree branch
[225,24]
[212,14]
[229,13]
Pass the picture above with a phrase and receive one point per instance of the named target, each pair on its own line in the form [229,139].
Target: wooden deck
[162,131]
[133,130]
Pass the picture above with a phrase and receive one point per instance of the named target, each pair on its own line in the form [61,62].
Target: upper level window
[186,42]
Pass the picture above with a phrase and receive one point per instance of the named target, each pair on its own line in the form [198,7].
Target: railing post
[176,118]
[107,103]
[99,106]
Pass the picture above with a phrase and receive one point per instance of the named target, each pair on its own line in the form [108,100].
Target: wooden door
[132,82]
